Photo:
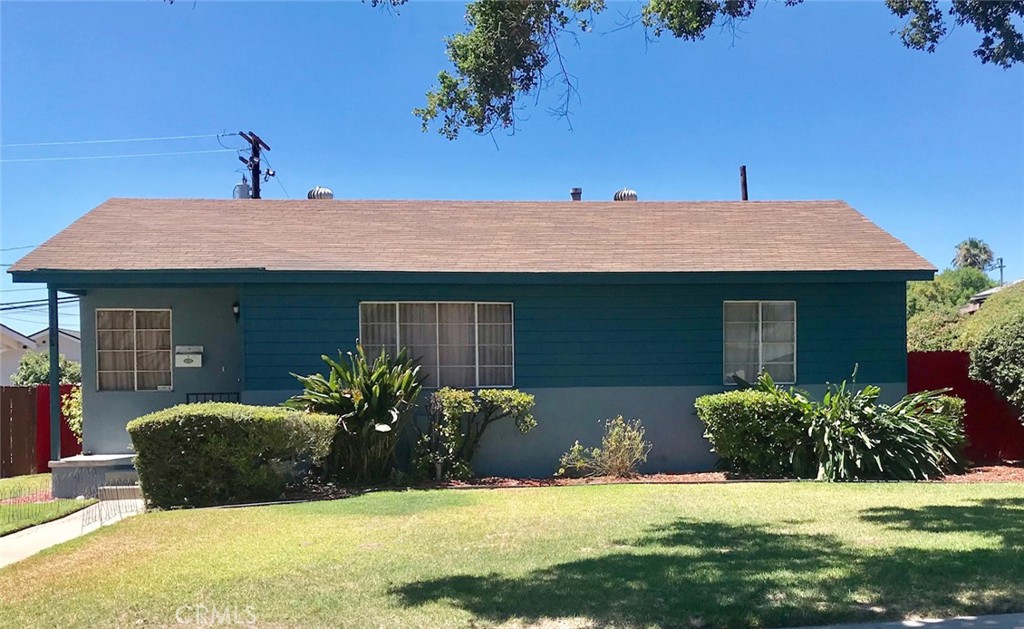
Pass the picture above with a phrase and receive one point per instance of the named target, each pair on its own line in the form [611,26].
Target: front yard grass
[634,555]
[25,501]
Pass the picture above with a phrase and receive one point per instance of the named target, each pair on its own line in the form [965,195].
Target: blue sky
[820,101]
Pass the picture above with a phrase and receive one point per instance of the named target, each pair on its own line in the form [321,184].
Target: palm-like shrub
[373,401]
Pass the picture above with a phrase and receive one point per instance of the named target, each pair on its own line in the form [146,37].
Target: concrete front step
[119,492]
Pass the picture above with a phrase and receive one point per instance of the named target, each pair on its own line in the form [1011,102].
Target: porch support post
[54,342]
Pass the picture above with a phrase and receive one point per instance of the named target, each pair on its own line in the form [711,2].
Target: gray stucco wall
[567,414]
[200,316]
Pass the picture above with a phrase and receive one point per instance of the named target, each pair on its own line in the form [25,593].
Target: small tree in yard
[34,368]
[456,421]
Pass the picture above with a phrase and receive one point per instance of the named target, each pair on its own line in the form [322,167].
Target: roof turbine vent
[626,194]
[320,192]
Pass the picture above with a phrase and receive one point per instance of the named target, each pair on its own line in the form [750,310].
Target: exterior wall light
[235,310]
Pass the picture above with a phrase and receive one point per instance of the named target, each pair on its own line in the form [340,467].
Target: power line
[18,248]
[64,159]
[160,139]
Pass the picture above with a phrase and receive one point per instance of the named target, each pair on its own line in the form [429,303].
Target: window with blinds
[465,344]
[133,350]
[760,335]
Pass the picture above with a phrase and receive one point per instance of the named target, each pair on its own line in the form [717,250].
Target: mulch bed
[1006,472]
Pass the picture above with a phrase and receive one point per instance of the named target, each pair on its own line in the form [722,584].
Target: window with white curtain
[133,350]
[458,344]
[760,335]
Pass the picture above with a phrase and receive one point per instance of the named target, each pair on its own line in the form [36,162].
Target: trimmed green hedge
[757,432]
[199,455]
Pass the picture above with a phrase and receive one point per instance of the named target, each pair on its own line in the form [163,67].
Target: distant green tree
[934,330]
[973,253]
[34,368]
[951,288]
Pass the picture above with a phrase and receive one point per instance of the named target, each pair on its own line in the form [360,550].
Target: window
[760,335]
[133,350]
[457,344]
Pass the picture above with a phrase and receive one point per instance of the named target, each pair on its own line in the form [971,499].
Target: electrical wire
[159,139]
[18,248]
[64,159]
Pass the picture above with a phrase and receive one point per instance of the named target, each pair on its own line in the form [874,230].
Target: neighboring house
[13,345]
[70,343]
[597,308]
[975,302]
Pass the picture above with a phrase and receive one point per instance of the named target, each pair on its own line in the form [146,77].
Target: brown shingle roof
[473,236]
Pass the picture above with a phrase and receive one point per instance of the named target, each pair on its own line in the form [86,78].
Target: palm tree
[973,253]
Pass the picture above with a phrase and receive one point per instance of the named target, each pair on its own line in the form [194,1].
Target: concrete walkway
[18,546]
[1002,621]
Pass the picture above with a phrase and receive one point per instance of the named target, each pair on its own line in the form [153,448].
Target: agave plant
[373,401]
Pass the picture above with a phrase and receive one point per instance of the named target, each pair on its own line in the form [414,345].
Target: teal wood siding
[585,335]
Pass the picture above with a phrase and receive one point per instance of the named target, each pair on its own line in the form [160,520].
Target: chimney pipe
[743,182]
[576,194]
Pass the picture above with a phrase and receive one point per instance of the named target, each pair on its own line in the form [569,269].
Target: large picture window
[133,350]
[760,335]
[464,344]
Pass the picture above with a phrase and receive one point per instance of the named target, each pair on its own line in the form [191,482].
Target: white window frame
[760,341]
[135,349]
[476,333]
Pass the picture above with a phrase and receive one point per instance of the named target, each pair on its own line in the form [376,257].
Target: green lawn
[634,555]
[16,515]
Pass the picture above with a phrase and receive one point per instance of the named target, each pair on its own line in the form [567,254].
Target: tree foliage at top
[950,289]
[34,368]
[510,50]
[973,253]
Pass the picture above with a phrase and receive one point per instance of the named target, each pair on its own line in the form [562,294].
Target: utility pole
[743,183]
[253,163]
[999,265]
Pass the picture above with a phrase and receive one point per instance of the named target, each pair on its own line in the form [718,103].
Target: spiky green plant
[373,400]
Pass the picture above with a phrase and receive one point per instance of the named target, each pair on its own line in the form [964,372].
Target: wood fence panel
[18,431]
[994,430]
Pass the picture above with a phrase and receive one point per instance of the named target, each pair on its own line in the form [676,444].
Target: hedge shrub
[771,432]
[198,455]
[995,337]
[759,433]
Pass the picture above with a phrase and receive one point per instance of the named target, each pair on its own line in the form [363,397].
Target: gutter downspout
[54,376]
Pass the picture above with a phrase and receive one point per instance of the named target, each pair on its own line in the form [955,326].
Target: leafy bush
[759,432]
[71,409]
[198,455]
[995,337]
[935,330]
[456,421]
[855,438]
[34,368]
[848,435]
[371,401]
[623,449]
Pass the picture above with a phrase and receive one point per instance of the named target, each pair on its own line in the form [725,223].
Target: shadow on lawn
[709,573]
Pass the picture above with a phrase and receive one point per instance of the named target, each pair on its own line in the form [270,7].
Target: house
[596,308]
[70,342]
[14,344]
[978,299]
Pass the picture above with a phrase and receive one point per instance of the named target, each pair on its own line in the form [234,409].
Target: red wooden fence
[994,430]
[25,430]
